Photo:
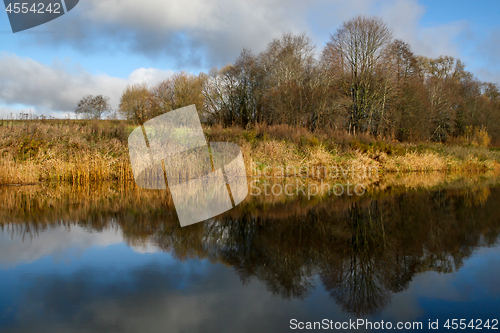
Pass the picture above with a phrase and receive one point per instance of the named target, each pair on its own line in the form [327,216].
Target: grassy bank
[88,151]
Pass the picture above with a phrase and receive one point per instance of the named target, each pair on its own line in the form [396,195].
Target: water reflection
[360,252]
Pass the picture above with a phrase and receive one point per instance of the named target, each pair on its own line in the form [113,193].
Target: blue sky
[102,45]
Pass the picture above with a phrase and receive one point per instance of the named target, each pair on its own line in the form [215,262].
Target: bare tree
[360,45]
[180,90]
[288,63]
[406,121]
[233,94]
[93,107]
[218,93]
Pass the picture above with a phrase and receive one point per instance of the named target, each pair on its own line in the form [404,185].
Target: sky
[101,46]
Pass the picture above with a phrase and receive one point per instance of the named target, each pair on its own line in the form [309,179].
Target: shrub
[477,137]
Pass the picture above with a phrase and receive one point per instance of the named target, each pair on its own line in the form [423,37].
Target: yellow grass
[82,152]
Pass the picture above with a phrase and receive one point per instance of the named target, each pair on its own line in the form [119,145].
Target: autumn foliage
[363,81]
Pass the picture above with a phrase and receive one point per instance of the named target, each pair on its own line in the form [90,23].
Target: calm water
[113,259]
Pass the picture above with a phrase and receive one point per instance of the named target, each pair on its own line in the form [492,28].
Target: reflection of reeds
[48,202]
[54,202]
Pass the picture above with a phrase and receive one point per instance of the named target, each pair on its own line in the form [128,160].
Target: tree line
[363,81]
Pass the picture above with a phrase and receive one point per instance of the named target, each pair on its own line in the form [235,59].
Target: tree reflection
[361,251]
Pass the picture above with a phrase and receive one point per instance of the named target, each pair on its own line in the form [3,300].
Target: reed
[82,152]
[73,151]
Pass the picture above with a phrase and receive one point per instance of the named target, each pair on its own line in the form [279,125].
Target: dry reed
[90,151]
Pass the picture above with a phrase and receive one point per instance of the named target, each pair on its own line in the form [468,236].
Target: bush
[477,137]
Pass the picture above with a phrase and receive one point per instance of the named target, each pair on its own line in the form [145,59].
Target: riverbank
[89,151]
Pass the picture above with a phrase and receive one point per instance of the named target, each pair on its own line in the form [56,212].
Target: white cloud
[204,33]
[56,88]
[151,76]
[191,32]
[404,18]
[212,33]
[145,248]
[58,242]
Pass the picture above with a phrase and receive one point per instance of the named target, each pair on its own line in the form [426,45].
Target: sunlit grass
[92,151]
